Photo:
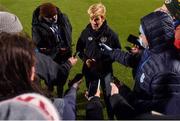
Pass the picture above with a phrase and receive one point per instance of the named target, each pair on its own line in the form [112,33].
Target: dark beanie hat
[48,10]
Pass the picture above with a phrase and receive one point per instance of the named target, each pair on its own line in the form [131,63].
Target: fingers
[114,89]
[73,60]
[90,62]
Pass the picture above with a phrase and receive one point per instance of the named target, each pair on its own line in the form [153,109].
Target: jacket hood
[158,28]
[35,17]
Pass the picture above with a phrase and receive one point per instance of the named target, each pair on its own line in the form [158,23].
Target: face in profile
[96,22]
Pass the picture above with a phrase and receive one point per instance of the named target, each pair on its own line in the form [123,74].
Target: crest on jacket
[103,39]
[90,38]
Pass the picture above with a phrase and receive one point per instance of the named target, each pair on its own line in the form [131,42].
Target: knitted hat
[9,23]
[48,10]
[29,106]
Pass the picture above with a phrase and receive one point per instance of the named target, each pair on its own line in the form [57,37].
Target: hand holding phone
[94,86]
[75,54]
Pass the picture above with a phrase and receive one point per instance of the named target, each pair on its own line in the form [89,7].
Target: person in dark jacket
[157,74]
[51,31]
[96,66]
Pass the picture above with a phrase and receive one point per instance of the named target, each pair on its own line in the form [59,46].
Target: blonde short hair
[97,9]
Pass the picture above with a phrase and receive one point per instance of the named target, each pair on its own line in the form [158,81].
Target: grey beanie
[9,23]
[28,106]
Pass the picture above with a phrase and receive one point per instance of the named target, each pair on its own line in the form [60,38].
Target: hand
[77,84]
[72,60]
[98,92]
[135,50]
[114,89]
[90,62]
[162,8]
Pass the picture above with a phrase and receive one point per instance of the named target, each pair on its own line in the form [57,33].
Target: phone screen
[78,76]
[132,38]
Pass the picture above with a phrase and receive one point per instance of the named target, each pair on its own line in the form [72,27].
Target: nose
[93,21]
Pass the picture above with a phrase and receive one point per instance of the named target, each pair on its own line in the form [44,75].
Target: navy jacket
[157,75]
[44,36]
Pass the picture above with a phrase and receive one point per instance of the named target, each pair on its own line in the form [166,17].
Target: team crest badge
[103,39]
[90,38]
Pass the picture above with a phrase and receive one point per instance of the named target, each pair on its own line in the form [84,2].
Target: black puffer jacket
[157,77]
[44,36]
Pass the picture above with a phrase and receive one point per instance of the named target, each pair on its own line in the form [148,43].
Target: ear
[32,73]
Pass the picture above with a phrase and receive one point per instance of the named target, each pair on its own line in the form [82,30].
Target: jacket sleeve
[94,109]
[69,112]
[124,58]
[36,35]
[117,44]
[121,108]
[63,72]
[80,48]
[49,70]
[69,26]
[68,23]
[66,106]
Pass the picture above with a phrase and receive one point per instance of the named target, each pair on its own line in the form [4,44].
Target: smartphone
[93,87]
[132,38]
[75,54]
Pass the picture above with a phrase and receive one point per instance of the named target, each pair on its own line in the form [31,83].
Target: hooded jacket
[157,76]
[44,37]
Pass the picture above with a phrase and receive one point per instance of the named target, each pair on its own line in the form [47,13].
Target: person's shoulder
[86,29]
[64,16]
[110,30]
